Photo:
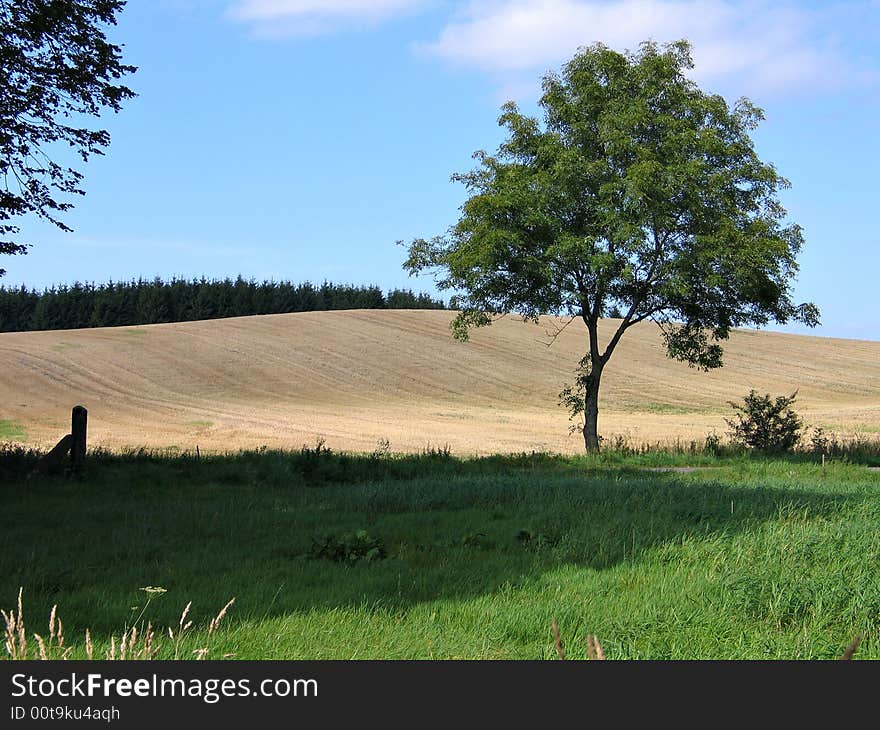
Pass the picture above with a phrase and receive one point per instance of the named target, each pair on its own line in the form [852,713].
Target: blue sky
[299,139]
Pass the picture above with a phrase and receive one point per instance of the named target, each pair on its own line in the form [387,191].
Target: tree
[639,192]
[56,67]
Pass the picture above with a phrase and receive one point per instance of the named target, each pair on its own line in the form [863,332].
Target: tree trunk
[591,411]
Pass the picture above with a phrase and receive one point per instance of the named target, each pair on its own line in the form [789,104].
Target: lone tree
[56,67]
[640,194]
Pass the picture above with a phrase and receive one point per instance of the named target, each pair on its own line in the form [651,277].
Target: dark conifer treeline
[179,300]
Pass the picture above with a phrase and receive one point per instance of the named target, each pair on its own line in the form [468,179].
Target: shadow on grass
[246,525]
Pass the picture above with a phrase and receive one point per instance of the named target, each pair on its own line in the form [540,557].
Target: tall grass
[443,557]
[134,642]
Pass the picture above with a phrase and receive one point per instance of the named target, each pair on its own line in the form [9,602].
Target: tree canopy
[639,194]
[56,68]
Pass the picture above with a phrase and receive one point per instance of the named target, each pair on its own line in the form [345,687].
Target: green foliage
[535,540]
[571,397]
[56,69]
[766,424]
[155,301]
[713,443]
[349,548]
[820,442]
[855,448]
[638,194]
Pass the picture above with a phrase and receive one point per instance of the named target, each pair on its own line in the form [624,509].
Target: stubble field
[432,554]
[356,378]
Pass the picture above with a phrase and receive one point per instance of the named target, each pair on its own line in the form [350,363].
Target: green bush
[350,548]
[766,424]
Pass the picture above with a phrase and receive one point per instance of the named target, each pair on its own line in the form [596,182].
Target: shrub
[766,424]
[822,442]
[713,443]
[350,548]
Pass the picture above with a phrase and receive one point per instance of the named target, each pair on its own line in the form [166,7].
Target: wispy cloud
[757,44]
[747,46]
[313,17]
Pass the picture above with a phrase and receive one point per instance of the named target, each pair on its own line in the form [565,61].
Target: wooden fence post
[53,462]
[78,424]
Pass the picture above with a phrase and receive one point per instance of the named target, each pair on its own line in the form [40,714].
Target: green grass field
[750,558]
[12,431]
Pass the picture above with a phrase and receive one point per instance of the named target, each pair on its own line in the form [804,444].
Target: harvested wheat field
[356,378]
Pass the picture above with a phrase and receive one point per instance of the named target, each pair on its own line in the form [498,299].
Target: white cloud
[311,17]
[751,46]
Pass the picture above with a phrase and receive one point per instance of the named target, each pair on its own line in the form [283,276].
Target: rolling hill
[354,378]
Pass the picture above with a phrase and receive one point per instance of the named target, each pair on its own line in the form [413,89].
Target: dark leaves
[639,191]
[766,424]
[691,344]
[56,64]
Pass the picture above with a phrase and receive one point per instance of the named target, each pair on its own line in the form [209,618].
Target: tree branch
[641,295]
[558,331]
